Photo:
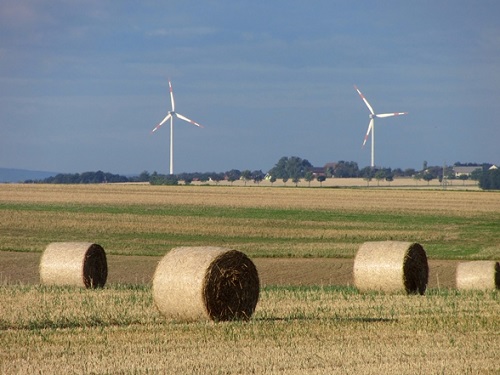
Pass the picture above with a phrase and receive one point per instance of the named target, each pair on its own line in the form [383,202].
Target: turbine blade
[364,99]
[370,126]
[161,123]
[382,115]
[188,120]
[171,95]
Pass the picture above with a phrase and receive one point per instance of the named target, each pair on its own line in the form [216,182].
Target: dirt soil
[22,268]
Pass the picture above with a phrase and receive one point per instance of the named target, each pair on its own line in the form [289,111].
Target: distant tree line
[98,177]
[231,176]
[291,168]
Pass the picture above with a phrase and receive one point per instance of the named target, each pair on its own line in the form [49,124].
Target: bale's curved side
[80,264]
[478,275]
[205,283]
[391,266]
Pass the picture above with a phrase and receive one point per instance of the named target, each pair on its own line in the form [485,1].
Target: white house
[465,171]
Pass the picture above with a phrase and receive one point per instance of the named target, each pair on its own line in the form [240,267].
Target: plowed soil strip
[22,268]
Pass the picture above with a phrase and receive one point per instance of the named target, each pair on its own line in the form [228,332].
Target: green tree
[321,179]
[258,176]
[279,169]
[417,177]
[157,179]
[490,180]
[291,167]
[346,169]
[428,177]
[379,175]
[367,172]
[215,177]
[233,175]
[367,178]
[144,176]
[309,177]
[246,175]
[409,172]
[476,174]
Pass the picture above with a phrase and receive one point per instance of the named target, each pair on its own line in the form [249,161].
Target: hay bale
[74,263]
[478,275]
[206,283]
[391,266]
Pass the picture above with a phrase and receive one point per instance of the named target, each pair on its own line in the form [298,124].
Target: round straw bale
[478,275]
[391,266]
[206,283]
[74,263]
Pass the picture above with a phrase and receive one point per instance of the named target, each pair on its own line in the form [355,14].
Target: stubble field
[308,319]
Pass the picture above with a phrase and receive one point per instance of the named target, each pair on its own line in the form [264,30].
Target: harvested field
[22,268]
[358,200]
[295,330]
[259,221]
[309,319]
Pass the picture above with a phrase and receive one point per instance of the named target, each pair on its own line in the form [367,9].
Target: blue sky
[83,83]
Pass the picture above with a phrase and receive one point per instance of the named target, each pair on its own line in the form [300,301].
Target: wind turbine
[371,124]
[170,116]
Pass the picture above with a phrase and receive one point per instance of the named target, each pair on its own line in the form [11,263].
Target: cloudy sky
[83,83]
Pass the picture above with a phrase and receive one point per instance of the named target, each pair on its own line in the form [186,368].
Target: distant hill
[21,175]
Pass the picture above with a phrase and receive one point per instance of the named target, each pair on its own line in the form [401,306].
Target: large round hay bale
[478,275]
[206,283]
[74,263]
[391,266]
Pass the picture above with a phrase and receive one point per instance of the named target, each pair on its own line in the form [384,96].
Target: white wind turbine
[371,125]
[170,116]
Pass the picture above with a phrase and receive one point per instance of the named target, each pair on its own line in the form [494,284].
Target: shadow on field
[63,324]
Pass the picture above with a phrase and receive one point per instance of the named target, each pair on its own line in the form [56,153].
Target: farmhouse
[465,171]
[317,171]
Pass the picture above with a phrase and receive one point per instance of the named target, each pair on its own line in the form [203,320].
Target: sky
[83,83]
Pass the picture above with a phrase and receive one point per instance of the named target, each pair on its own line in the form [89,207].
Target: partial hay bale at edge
[478,275]
[206,283]
[80,264]
[391,266]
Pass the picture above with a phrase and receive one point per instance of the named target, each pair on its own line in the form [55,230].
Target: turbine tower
[170,116]
[371,124]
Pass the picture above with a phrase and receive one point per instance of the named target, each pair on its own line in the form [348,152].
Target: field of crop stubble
[309,329]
